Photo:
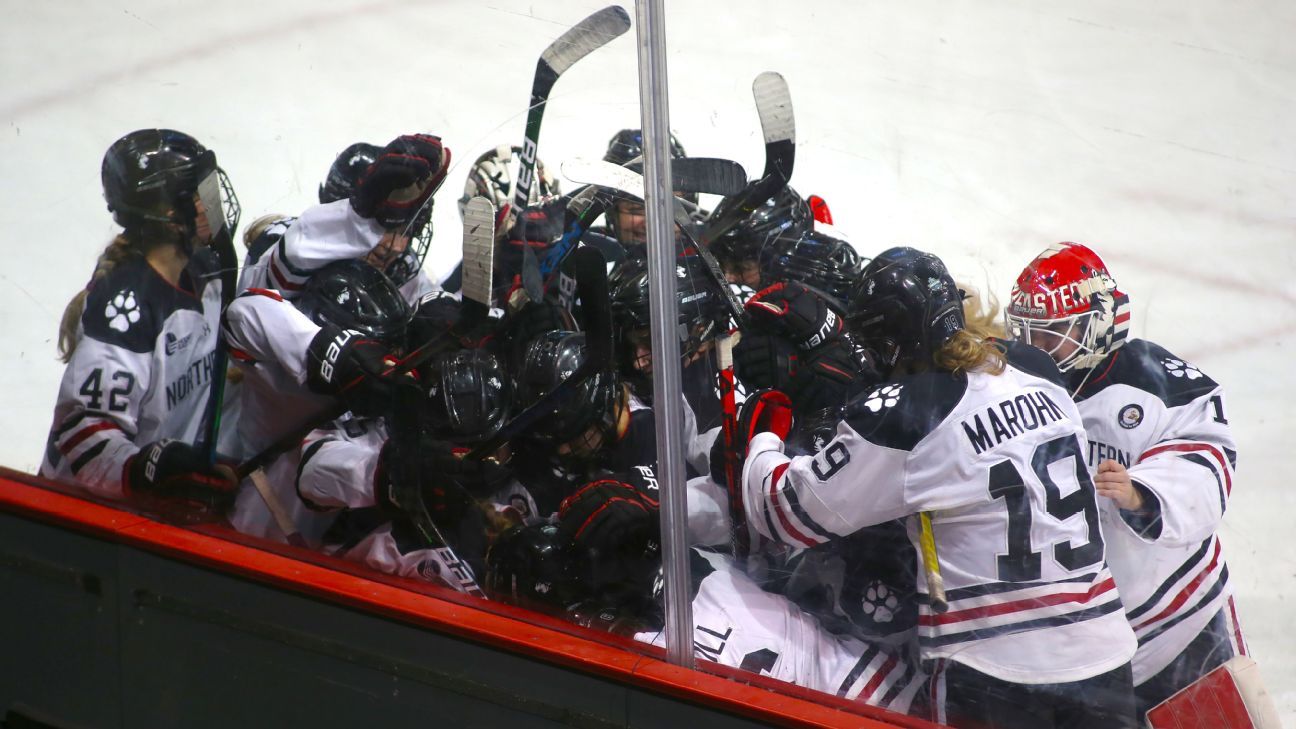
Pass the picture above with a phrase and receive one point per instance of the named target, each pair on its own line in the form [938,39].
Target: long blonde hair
[119,250]
[974,348]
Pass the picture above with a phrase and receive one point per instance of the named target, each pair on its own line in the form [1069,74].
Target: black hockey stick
[478,266]
[774,106]
[579,41]
[587,269]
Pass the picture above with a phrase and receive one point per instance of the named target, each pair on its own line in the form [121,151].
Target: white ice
[1158,132]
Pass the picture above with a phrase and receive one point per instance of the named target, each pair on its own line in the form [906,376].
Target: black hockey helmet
[701,311]
[550,359]
[819,260]
[531,566]
[907,306]
[467,397]
[346,170]
[785,217]
[628,144]
[155,176]
[351,294]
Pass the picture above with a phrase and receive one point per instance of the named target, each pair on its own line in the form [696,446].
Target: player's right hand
[791,309]
[344,363]
[173,468]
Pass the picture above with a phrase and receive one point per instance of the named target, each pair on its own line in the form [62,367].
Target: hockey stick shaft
[931,564]
[729,431]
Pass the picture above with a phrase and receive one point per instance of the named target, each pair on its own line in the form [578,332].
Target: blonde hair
[120,249]
[974,348]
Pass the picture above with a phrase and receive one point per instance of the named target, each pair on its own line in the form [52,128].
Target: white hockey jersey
[289,250]
[142,371]
[999,463]
[736,623]
[1165,421]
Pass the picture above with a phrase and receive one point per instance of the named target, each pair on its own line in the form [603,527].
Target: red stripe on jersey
[1185,593]
[1241,646]
[240,355]
[1196,448]
[1122,318]
[878,678]
[266,292]
[778,508]
[86,432]
[1003,608]
[281,279]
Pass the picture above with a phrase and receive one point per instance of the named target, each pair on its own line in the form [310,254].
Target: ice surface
[1158,132]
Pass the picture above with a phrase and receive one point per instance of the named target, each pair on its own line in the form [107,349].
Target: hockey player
[1034,635]
[735,623]
[1162,454]
[140,341]
[784,217]
[384,220]
[626,220]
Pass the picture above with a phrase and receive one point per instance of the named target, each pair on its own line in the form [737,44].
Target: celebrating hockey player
[1034,635]
[1162,455]
[140,341]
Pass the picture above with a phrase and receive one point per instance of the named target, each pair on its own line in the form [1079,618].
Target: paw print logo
[883,397]
[880,602]
[122,311]
[1179,368]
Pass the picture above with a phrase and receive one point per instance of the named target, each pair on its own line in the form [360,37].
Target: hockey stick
[588,272]
[931,564]
[729,431]
[478,257]
[579,41]
[774,107]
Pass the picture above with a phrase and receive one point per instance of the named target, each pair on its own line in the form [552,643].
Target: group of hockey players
[1063,481]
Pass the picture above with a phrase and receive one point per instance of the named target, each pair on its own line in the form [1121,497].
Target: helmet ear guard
[907,306]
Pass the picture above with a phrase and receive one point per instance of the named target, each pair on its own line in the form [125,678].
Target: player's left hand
[393,189]
[1113,481]
[764,411]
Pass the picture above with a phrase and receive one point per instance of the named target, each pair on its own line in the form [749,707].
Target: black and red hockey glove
[609,517]
[175,469]
[795,311]
[766,361]
[764,411]
[342,362]
[393,189]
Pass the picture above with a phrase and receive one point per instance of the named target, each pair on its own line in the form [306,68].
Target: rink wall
[110,618]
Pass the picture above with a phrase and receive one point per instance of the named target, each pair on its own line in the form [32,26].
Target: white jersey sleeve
[339,462]
[261,326]
[323,234]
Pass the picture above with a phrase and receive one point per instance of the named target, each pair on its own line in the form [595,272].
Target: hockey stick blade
[774,106]
[478,251]
[589,270]
[581,40]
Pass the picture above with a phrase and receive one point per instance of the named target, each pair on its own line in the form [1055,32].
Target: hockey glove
[609,518]
[341,362]
[827,378]
[176,469]
[794,311]
[764,411]
[393,189]
[766,361]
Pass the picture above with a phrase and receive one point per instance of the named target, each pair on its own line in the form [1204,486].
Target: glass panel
[458,397]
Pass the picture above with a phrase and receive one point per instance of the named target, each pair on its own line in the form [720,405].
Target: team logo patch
[122,311]
[1130,416]
[880,602]
[883,397]
[175,344]
[1179,368]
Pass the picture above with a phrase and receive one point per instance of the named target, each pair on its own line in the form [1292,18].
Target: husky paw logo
[122,311]
[1179,368]
[880,602]
[883,397]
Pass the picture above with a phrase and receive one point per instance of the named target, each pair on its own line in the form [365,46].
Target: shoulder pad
[901,413]
[1033,360]
[128,307]
[1152,369]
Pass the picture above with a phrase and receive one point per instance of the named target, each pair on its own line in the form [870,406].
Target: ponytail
[117,251]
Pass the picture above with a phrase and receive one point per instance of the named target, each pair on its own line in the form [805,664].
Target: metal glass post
[668,398]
